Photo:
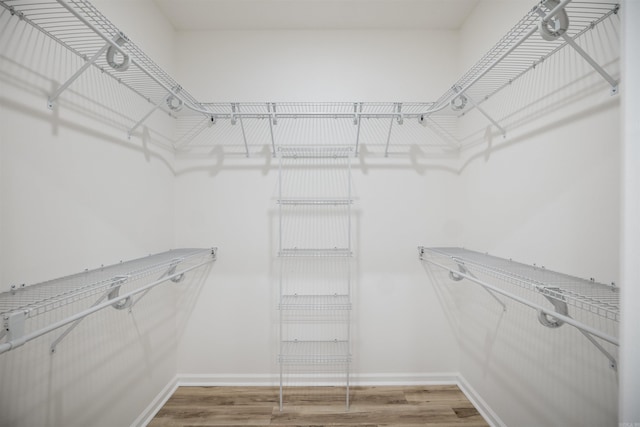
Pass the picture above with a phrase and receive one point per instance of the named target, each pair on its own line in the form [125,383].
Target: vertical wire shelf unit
[315,251]
[550,26]
[120,286]
[536,287]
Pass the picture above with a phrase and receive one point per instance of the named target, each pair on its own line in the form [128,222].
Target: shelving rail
[559,289]
[330,302]
[120,286]
[547,28]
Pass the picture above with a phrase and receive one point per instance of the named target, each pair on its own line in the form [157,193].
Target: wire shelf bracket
[555,24]
[20,304]
[594,297]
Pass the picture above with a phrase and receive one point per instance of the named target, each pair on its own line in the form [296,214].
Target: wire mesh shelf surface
[315,302]
[43,297]
[521,50]
[315,252]
[313,152]
[314,201]
[84,30]
[597,298]
[314,352]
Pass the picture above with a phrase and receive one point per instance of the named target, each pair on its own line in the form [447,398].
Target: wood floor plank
[435,406]
[398,414]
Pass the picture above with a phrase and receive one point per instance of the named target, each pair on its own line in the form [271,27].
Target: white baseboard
[156,404]
[262,380]
[485,410]
[257,380]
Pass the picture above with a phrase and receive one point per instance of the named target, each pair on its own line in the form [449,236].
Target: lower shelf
[314,352]
[75,297]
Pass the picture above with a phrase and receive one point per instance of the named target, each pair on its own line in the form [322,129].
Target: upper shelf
[80,27]
[547,28]
[524,47]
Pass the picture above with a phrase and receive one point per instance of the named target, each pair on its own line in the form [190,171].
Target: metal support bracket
[464,271]
[170,273]
[13,327]
[397,116]
[556,14]
[613,82]
[146,116]
[357,120]
[459,103]
[561,308]
[400,116]
[484,113]
[244,135]
[65,85]
[613,363]
[272,122]
[559,305]
[111,294]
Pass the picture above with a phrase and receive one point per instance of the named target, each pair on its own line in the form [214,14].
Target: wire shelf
[315,202]
[314,352]
[597,298]
[315,252]
[315,152]
[81,28]
[521,50]
[46,296]
[315,302]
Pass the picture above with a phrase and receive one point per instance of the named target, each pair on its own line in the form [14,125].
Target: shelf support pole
[613,363]
[272,121]
[488,117]
[146,116]
[65,85]
[613,82]
[235,108]
[357,118]
[457,277]
[71,327]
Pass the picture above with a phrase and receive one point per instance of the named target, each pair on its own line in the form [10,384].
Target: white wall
[630,230]
[547,194]
[399,327]
[75,194]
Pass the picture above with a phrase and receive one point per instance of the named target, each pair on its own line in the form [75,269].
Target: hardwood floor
[435,406]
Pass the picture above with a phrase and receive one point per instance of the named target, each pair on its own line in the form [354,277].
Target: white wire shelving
[548,27]
[315,250]
[120,286]
[560,290]
[82,29]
